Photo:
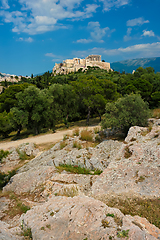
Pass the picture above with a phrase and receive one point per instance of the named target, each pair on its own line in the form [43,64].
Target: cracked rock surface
[72,206]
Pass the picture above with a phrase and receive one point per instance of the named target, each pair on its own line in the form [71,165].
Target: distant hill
[132,64]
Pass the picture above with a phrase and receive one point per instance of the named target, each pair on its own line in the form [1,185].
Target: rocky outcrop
[84,218]
[136,169]
[15,156]
[7,233]
[73,205]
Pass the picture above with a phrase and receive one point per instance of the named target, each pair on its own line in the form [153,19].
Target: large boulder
[135,170]
[84,218]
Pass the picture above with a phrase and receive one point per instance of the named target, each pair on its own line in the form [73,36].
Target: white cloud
[5,4]
[29,39]
[96,32]
[148,33]
[50,55]
[55,58]
[39,16]
[136,21]
[84,41]
[108,4]
[127,37]
[45,15]
[149,47]
[135,51]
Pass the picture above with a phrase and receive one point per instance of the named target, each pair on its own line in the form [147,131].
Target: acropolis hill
[73,65]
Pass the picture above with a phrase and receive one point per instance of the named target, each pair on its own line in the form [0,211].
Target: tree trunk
[99,115]
[36,130]
[89,112]
[19,130]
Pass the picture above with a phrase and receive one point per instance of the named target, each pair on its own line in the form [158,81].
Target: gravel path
[52,137]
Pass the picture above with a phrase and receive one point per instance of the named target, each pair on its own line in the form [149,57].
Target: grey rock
[81,218]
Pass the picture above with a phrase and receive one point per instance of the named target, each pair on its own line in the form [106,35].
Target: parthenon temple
[73,65]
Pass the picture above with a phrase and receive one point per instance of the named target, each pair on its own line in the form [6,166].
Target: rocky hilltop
[66,205]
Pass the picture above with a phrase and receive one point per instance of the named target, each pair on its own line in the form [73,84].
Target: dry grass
[77,145]
[156,113]
[147,208]
[16,206]
[127,152]
[86,135]
[96,130]
[68,192]
[105,223]
[63,144]
[44,146]
[66,136]
[76,132]
[140,179]
[23,156]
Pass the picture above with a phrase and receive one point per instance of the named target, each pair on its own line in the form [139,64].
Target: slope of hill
[132,64]
[63,194]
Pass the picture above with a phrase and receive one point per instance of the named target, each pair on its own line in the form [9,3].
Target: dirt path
[55,137]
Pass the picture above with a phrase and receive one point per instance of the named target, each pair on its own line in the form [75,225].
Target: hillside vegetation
[44,101]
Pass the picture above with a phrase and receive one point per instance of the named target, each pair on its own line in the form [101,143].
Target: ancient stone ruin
[73,65]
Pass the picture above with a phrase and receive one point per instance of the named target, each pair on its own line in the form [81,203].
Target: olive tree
[127,111]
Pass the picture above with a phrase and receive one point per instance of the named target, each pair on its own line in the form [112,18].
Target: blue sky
[34,34]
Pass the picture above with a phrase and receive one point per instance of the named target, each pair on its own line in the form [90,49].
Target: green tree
[64,101]
[127,111]
[144,87]
[5,124]
[155,102]
[19,118]
[34,106]
[93,93]
[8,97]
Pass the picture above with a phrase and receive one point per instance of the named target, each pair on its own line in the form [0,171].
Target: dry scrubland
[84,188]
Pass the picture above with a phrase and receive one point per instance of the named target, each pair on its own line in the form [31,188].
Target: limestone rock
[6,233]
[135,170]
[82,218]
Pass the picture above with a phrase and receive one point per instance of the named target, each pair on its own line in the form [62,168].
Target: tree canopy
[128,111]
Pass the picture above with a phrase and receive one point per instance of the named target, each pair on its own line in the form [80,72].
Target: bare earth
[55,137]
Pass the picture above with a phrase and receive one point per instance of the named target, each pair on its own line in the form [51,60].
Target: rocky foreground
[67,206]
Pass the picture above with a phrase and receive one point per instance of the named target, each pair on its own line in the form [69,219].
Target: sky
[36,34]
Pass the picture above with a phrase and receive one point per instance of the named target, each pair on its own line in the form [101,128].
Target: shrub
[127,111]
[97,138]
[96,130]
[3,154]
[26,232]
[63,144]
[76,132]
[4,178]
[23,156]
[86,136]
[77,145]
[65,137]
